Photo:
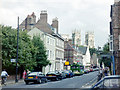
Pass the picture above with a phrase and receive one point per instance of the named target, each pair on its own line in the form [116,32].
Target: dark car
[62,74]
[36,77]
[54,75]
[112,81]
[86,71]
[69,73]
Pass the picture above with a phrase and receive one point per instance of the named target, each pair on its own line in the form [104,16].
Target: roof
[82,50]
[45,27]
[58,36]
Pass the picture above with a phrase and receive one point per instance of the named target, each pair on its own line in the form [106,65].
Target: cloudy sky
[84,15]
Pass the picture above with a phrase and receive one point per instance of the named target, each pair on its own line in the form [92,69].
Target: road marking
[89,82]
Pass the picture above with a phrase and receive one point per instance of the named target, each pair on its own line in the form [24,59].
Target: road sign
[66,63]
[13,60]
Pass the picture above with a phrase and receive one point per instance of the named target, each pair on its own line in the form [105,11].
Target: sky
[82,15]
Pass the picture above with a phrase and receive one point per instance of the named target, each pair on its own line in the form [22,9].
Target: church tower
[76,38]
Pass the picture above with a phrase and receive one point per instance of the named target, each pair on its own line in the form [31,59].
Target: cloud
[86,15]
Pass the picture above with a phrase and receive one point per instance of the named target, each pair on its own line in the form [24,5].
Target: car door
[43,77]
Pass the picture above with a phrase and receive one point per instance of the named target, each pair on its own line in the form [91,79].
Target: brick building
[70,53]
[115,32]
[28,23]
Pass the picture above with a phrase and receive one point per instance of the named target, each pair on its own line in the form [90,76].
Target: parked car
[86,71]
[112,81]
[54,75]
[91,69]
[36,77]
[62,74]
[69,73]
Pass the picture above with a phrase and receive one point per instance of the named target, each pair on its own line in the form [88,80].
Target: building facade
[49,42]
[89,39]
[115,32]
[53,41]
[59,52]
[84,55]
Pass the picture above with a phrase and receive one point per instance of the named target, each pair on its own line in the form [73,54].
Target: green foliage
[26,50]
[106,48]
[31,53]
[92,50]
[107,61]
[41,56]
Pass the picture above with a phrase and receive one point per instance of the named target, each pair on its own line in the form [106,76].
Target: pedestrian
[106,72]
[100,75]
[4,76]
[28,72]
[24,74]
[101,72]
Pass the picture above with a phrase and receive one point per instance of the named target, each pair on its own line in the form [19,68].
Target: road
[74,82]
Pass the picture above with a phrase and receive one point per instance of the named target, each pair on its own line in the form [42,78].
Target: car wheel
[61,78]
[40,81]
[46,81]
[57,78]
[27,83]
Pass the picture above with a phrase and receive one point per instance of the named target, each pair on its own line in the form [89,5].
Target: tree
[92,50]
[106,60]
[26,51]
[106,48]
[41,56]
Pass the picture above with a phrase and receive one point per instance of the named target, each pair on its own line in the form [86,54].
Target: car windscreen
[51,73]
[33,73]
[67,71]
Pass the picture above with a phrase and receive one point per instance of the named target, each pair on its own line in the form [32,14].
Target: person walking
[24,74]
[4,76]
[106,72]
[28,72]
[100,75]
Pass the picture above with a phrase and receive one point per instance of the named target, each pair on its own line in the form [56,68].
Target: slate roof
[82,50]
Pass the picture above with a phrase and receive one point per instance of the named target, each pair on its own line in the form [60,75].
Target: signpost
[67,64]
[13,60]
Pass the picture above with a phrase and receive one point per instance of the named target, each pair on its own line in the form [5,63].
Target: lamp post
[16,80]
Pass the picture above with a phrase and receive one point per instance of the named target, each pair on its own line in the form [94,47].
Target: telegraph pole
[0,49]
[16,80]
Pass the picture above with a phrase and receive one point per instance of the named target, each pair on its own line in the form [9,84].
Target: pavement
[13,82]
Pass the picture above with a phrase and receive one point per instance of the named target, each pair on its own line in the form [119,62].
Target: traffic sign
[66,63]
[13,60]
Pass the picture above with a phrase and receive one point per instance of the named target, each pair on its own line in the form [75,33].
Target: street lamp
[16,80]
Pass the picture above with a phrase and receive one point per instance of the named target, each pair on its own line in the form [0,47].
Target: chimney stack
[55,24]
[43,16]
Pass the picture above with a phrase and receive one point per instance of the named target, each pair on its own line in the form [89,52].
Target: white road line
[89,82]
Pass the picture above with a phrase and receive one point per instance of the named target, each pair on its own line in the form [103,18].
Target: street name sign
[13,60]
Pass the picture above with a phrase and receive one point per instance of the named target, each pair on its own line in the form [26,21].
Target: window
[48,53]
